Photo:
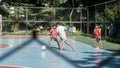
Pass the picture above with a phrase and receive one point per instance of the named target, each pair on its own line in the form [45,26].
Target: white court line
[15,66]
[10,46]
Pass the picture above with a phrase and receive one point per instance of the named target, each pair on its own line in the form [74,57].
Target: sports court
[24,17]
[27,53]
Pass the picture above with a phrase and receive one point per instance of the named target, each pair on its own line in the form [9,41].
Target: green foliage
[78,9]
[19,3]
[46,10]
[99,17]
[59,2]
[109,14]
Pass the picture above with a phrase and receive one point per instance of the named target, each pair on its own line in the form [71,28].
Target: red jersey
[97,33]
[53,33]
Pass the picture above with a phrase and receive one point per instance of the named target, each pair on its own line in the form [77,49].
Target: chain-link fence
[105,14]
[25,19]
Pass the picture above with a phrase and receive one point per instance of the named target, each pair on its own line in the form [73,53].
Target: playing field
[27,53]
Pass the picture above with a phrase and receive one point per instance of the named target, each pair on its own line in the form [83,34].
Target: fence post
[26,16]
[0,24]
[54,14]
[88,20]
[81,20]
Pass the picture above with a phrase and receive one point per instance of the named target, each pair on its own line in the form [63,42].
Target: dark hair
[58,23]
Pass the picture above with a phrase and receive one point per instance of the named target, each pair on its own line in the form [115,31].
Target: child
[53,35]
[97,33]
[61,30]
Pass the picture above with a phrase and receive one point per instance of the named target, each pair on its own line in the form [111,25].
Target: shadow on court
[110,59]
[74,63]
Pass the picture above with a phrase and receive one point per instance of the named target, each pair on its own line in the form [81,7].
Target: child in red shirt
[97,33]
[53,35]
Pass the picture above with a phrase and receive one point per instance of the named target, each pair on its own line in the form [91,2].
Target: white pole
[0,24]
[26,20]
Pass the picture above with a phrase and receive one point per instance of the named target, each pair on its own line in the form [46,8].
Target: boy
[61,30]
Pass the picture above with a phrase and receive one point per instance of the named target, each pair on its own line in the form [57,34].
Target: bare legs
[50,42]
[69,45]
[60,44]
[99,44]
[66,42]
[56,41]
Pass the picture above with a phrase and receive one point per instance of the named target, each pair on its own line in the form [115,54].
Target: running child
[97,33]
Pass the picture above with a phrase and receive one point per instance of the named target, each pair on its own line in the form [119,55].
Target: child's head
[58,23]
[96,26]
[53,27]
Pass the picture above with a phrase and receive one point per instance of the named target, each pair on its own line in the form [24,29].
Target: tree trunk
[71,16]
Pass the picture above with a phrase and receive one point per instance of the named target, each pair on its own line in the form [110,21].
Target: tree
[109,14]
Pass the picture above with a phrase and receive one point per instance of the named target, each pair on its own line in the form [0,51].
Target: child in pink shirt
[53,35]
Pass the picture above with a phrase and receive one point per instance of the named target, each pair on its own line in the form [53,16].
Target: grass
[91,41]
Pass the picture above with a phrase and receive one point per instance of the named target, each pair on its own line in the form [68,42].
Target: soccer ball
[43,47]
